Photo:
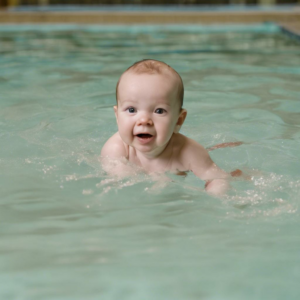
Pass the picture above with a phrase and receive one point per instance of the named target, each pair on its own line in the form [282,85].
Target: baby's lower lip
[144,138]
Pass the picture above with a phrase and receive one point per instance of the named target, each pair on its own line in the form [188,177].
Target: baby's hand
[216,187]
[220,186]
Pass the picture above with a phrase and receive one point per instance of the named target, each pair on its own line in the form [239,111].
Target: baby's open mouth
[144,135]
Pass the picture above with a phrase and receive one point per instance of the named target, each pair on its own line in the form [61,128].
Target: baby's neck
[151,162]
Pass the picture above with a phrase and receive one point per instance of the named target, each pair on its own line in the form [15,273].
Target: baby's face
[148,111]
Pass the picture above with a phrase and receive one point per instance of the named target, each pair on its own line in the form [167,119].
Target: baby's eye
[160,111]
[131,110]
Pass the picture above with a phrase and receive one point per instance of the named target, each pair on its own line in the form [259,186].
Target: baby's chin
[150,151]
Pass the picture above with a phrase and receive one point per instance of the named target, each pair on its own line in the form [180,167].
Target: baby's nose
[145,120]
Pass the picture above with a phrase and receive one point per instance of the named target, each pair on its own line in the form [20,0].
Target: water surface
[71,232]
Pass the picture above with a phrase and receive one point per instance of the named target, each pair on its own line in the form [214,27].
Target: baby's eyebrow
[125,102]
[166,104]
[135,102]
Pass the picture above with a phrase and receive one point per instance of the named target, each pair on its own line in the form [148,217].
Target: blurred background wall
[145,2]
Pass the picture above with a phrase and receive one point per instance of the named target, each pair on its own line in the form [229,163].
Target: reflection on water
[71,232]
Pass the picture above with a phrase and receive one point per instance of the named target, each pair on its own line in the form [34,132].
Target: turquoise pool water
[68,231]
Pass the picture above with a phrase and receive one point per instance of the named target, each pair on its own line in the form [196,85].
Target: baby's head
[149,105]
[155,67]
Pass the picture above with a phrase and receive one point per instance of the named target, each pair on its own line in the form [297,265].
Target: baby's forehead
[164,74]
[158,83]
[149,88]
[151,74]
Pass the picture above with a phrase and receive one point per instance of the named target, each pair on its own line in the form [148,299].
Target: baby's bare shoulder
[191,154]
[186,146]
[114,147]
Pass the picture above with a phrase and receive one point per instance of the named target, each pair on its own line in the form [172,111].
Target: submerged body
[149,117]
[178,157]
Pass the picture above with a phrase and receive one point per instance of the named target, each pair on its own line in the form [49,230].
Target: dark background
[144,2]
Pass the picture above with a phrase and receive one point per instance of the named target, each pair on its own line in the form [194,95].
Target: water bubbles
[28,161]
[266,181]
[87,192]
[46,169]
[294,184]
[71,177]
[269,196]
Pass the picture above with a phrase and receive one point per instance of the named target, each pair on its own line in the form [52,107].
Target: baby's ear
[180,120]
[116,112]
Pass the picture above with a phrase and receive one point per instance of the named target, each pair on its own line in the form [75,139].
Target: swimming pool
[70,232]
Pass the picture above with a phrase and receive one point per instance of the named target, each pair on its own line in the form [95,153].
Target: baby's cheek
[167,127]
[124,125]
[123,131]
[165,133]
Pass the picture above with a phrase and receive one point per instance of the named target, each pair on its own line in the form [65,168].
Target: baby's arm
[114,157]
[114,147]
[203,167]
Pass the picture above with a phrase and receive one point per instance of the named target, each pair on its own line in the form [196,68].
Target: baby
[149,115]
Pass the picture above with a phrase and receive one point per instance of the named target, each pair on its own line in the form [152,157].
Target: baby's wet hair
[152,66]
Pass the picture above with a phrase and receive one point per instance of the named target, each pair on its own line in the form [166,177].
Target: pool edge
[291,29]
[151,17]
